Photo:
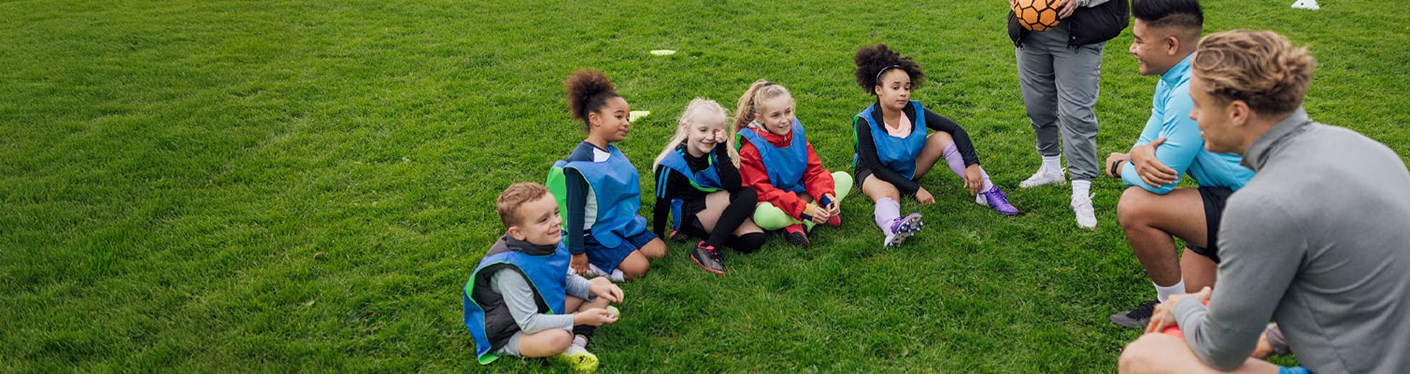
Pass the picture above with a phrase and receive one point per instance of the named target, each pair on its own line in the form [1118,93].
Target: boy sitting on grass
[522,300]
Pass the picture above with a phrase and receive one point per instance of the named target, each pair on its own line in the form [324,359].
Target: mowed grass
[305,186]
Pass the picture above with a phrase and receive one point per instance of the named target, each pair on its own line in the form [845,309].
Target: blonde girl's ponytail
[744,113]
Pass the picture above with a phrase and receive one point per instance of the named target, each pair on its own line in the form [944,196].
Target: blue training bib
[785,166]
[707,180]
[616,193]
[546,274]
[897,154]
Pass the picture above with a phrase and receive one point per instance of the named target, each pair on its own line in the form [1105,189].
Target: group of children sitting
[726,185]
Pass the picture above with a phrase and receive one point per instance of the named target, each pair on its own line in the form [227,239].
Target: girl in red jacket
[776,159]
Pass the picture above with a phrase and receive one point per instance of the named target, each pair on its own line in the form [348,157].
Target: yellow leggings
[770,217]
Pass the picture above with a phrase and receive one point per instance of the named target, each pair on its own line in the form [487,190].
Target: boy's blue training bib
[492,328]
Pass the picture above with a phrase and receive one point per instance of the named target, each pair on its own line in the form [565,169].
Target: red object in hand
[1174,330]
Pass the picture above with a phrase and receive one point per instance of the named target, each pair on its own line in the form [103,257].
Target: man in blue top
[1153,209]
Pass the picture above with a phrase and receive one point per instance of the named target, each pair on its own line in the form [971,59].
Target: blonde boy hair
[513,198]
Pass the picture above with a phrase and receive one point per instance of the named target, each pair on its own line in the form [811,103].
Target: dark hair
[872,60]
[1165,13]
[588,91]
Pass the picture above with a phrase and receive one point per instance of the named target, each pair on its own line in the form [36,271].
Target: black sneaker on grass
[1135,318]
[796,235]
[708,258]
[678,237]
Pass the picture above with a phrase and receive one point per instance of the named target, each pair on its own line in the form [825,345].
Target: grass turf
[274,186]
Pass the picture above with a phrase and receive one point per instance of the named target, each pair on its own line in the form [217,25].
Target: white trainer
[1082,207]
[1044,177]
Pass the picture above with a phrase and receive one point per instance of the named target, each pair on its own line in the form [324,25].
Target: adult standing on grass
[599,189]
[1152,209]
[893,149]
[1315,241]
[1059,71]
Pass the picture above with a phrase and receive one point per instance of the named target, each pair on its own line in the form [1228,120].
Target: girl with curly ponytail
[598,189]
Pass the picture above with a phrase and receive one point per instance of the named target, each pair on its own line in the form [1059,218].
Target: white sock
[617,276]
[1081,188]
[1163,293]
[1052,164]
[580,341]
[573,349]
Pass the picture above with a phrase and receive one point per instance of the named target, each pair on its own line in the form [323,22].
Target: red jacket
[816,180]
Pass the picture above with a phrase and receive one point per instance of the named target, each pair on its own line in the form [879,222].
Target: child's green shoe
[578,358]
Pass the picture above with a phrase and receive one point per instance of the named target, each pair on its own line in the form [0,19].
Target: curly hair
[588,91]
[1260,68]
[874,60]
[513,198]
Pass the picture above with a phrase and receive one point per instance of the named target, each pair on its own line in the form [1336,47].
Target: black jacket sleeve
[577,208]
[724,166]
[867,159]
[940,123]
[661,212]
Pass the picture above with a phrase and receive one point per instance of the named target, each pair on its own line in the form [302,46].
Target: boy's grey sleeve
[579,287]
[519,298]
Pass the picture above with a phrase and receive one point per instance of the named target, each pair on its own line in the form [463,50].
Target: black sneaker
[708,258]
[678,237]
[796,235]
[1135,318]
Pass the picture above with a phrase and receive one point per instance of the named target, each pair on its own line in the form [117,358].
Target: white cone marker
[663,52]
[1306,4]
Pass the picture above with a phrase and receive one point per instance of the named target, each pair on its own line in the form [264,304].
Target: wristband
[807,212]
[1115,167]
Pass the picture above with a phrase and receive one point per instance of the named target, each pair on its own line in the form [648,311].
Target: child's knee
[841,183]
[634,266]
[654,249]
[545,343]
[938,138]
[769,217]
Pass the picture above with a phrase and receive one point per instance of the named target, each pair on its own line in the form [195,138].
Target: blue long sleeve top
[1183,149]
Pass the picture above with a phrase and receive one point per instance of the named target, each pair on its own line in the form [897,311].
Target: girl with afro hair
[893,149]
[598,189]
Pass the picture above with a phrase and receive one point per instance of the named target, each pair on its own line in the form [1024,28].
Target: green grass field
[304,186]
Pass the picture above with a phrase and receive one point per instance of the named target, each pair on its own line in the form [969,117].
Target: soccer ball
[1037,15]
